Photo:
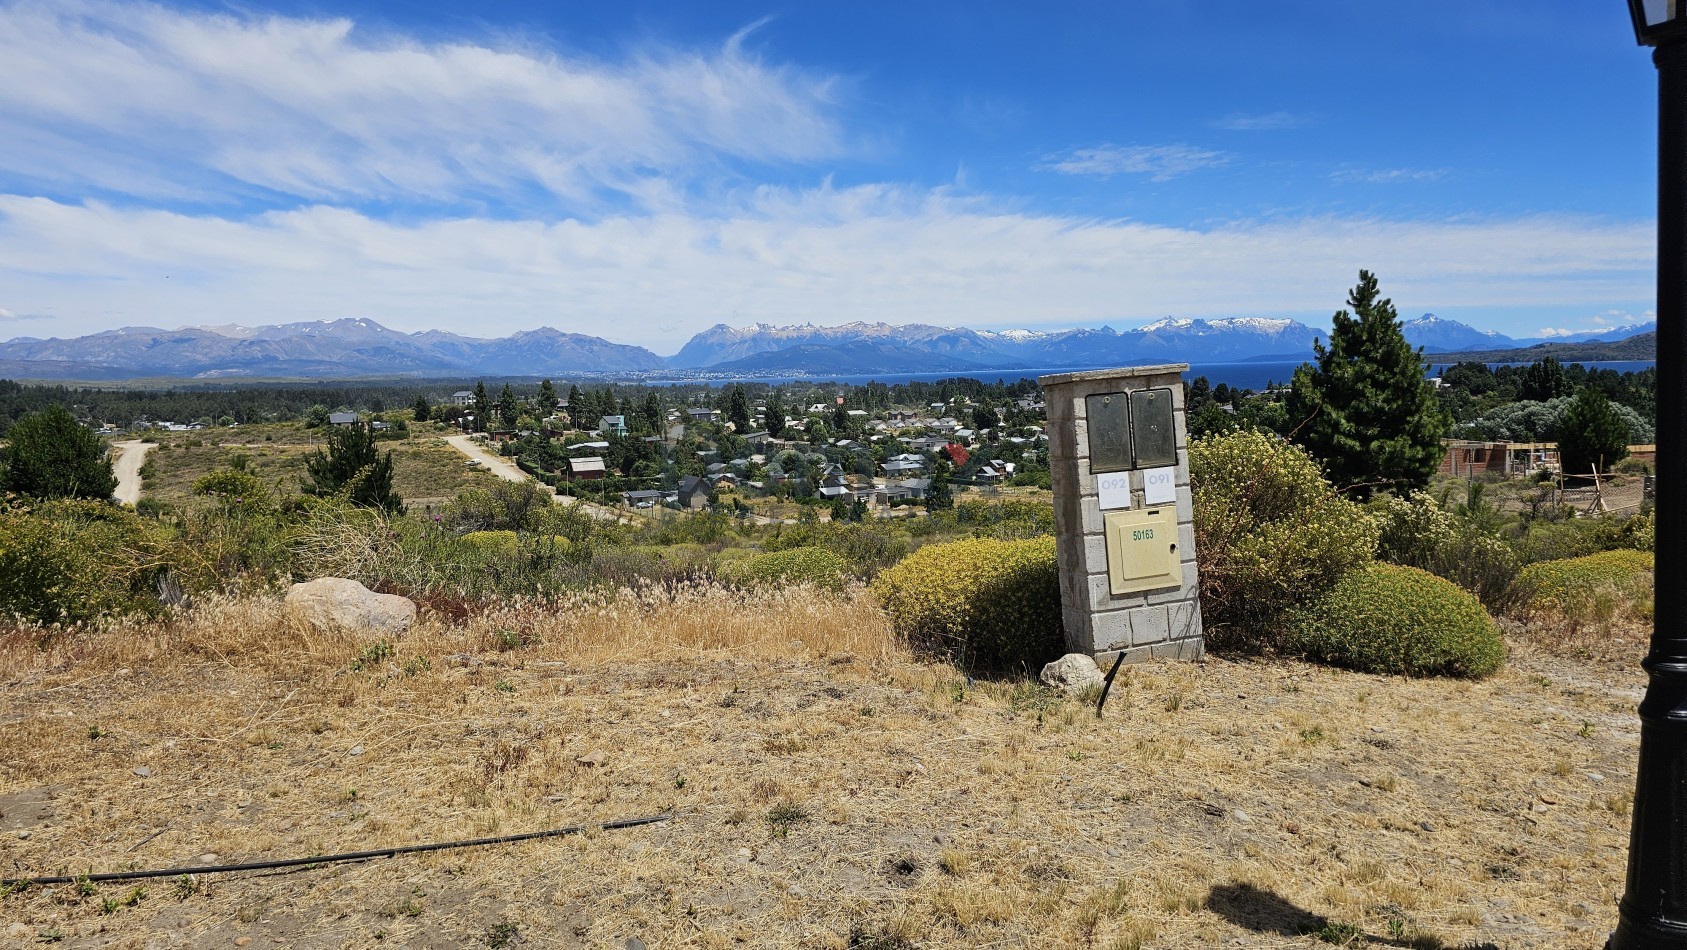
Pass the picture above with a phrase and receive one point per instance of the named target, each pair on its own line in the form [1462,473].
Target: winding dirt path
[510,472]
[131,456]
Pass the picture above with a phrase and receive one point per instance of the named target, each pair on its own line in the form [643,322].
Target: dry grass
[426,470]
[832,791]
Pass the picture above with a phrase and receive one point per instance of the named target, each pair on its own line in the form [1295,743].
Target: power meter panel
[1142,550]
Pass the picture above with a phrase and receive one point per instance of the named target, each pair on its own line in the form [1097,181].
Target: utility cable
[335,858]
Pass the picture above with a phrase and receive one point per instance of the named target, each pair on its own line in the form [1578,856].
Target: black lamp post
[1653,912]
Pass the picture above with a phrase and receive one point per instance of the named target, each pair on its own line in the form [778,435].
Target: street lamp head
[1658,22]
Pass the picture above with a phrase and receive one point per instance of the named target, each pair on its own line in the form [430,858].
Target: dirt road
[131,456]
[510,472]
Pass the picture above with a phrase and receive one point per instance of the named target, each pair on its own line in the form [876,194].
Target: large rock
[335,603]
[1073,673]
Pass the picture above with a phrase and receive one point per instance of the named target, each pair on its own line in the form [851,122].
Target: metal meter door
[1152,431]
[1108,416]
[1142,550]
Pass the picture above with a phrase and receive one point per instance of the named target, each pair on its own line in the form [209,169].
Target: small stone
[1115,853]
[18,932]
[633,943]
[355,750]
[1548,799]
[1426,826]
[1540,809]
[1595,777]
[209,857]
[1242,816]
[1376,728]
[242,941]
[1291,827]
[1072,673]
[243,803]
[143,771]
[593,759]
[23,836]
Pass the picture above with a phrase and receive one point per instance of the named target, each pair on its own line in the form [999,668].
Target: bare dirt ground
[829,790]
[130,457]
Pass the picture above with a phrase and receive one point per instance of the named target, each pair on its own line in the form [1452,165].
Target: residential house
[906,464]
[643,498]
[702,414]
[588,468]
[342,418]
[462,398]
[612,425]
[694,493]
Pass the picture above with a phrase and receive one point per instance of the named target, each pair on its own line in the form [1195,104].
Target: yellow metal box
[1142,550]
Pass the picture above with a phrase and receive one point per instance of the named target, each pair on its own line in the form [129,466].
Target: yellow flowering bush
[1270,533]
[1398,620]
[494,543]
[983,602]
[1593,587]
[1418,532]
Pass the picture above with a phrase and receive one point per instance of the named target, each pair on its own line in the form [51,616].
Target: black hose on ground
[14,882]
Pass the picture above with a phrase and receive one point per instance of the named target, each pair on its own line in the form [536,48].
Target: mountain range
[362,347]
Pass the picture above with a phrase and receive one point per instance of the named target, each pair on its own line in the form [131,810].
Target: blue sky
[642,171]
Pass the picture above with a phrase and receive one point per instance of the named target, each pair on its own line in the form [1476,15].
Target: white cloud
[12,316]
[827,255]
[144,100]
[1260,122]
[1158,162]
[1386,176]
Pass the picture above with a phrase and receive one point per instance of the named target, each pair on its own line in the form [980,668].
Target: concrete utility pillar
[1119,463]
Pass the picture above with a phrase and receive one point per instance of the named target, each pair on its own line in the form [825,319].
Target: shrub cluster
[1417,532]
[1589,587]
[74,561]
[1398,620]
[982,602]
[816,567]
[1270,532]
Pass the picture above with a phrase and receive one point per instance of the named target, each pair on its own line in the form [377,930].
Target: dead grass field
[829,789]
[426,470]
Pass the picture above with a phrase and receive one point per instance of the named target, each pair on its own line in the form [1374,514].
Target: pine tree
[507,408]
[422,410]
[547,397]
[651,412]
[51,455]
[939,495]
[738,409]
[482,407]
[352,469]
[1365,409]
[575,397]
[1591,435]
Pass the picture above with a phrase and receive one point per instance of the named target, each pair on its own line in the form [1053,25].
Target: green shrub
[235,489]
[1418,532]
[994,604]
[1398,620]
[816,566]
[1270,532]
[1590,587]
[1007,519]
[74,561]
[496,543]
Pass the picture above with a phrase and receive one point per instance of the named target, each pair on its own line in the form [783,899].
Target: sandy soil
[131,456]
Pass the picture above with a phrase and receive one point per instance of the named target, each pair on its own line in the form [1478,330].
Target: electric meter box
[1142,552]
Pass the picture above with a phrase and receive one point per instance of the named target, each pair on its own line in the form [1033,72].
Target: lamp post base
[1648,934]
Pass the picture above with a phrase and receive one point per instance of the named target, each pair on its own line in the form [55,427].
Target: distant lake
[1254,376]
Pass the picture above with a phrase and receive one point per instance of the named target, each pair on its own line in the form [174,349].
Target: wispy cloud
[1262,122]
[828,255]
[12,316]
[146,100]
[1386,176]
[1158,162]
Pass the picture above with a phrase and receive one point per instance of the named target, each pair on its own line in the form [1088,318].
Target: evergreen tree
[939,495]
[1591,435]
[422,410]
[482,407]
[547,397]
[351,468]
[51,455]
[1544,379]
[507,408]
[840,420]
[1365,410]
[651,412]
[574,399]
[738,408]
[775,415]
